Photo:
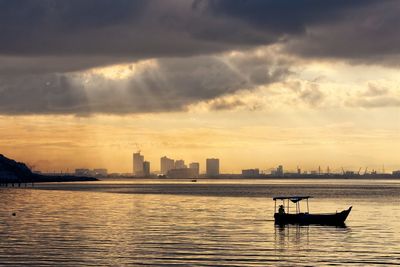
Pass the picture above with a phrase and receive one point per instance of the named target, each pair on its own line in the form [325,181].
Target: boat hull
[305,218]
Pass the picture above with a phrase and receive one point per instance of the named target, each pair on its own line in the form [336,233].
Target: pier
[16,184]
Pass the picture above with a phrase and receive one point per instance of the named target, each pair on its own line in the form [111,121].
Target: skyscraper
[146,169]
[212,167]
[166,164]
[138,164]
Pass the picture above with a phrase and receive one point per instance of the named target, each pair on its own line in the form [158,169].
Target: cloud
[374,90]
[362,35]
[375,97]
[223,104]
[304,92]
[377,102]
[312,95]
[147,86]
[74,35]
[47,93]
[239,101]
[357,31]
[285,16]
[202,49]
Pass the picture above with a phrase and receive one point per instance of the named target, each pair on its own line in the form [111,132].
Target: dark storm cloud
[40,94]
[44,44]
[104,31]
[170,85]
[368,34]
[361,31]
[56,27]
[283,16]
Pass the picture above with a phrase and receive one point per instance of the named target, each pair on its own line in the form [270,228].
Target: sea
[205,223]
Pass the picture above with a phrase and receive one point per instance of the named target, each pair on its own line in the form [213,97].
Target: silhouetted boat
[285,217]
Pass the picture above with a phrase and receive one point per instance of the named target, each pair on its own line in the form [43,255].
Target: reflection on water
[287,236]
[149,225]
[291,235]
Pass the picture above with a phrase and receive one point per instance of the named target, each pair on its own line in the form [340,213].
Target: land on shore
[12,171]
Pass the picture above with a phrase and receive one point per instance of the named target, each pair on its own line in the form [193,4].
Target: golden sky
[271,125]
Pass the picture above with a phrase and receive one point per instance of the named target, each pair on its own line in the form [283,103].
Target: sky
[308,83]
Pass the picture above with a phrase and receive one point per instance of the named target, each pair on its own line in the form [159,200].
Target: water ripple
[217,225]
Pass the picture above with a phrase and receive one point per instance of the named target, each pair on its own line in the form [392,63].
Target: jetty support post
[287,205]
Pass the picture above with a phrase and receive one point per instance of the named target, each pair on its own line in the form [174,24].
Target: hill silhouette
[12,171]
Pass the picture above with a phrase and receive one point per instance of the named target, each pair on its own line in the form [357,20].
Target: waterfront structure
[250,173]
[90,173]
[195,166]
[166,165]
[82,172]
[100,172]
[180,164]
[138,164]
[212,167]
[181,173]
[146,169]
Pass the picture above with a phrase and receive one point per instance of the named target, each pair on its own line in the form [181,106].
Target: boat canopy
[294,199]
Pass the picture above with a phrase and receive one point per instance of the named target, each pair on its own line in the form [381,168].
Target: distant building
[212,167]
[180,164]
[83,172]
[138,164]
[196,167]
[166,165]
[100,172]
[396,173]
[181,173]
[249,173]
[92,173]
[279,170]
[146,168]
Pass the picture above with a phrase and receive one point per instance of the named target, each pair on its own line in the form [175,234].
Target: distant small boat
[284,217]
[194,180]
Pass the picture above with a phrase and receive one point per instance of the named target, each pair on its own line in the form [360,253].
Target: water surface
[208,223]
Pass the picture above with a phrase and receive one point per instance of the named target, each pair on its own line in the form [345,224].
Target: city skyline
[245,163]
[167,164]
